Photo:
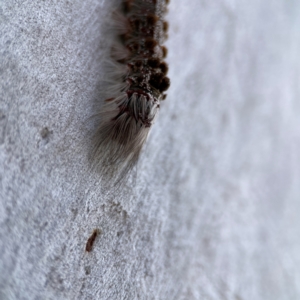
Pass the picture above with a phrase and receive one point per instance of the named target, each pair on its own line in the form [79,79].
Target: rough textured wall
[214,211]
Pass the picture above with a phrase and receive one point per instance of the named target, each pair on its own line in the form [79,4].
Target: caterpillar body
[137,84]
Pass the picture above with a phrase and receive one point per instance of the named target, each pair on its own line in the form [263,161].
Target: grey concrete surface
[214,211]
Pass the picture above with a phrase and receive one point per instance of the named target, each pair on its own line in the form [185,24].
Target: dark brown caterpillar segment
[91,240]
[144,42]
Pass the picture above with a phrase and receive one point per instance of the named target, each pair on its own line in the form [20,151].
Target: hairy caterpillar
[137,84]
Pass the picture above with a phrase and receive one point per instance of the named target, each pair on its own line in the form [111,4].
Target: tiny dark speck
[45,132]
[2,115]
[91,240]
[87,270]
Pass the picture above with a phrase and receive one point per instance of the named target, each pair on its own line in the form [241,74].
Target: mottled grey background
[214,212]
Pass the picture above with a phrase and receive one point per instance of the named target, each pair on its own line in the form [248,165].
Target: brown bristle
[153,62]
[164,84]
[156,79]
[152,19]
[164,51]
[150,43]
[157,76]
[164,96]
[127,5]
[164,68]
[165,26]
